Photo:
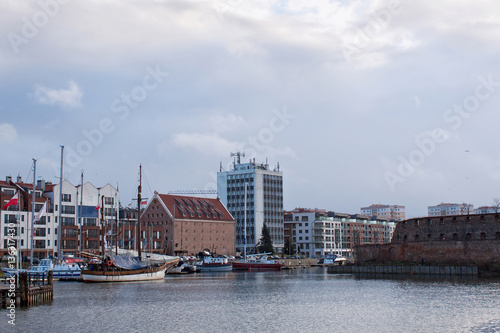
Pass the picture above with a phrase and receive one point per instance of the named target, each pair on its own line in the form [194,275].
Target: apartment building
[391,212]
[317,232]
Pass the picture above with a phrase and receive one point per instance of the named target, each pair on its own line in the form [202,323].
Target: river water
[309,300]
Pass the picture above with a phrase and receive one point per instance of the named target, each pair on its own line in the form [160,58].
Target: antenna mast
[238,156]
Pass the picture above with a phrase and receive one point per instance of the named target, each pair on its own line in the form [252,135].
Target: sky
[359,102]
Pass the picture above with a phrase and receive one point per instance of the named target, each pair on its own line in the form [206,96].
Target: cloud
[207,143]
[8,133]
[225,123]
[67,98]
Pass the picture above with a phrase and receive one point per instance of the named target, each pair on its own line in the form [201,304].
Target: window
[66,197]
[109,201]
[68,210]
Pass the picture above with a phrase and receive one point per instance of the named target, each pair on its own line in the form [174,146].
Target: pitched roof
[196,208]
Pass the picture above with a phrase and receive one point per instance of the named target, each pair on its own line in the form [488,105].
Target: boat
[333,259]
[214,264]
[258,262]
[122,268]
[128,267]
[182,268]
[67,269]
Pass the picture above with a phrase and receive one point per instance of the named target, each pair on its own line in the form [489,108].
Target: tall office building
[264,201]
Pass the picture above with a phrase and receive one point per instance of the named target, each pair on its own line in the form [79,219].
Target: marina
[279,301]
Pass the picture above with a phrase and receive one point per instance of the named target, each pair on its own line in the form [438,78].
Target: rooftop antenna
[238,155]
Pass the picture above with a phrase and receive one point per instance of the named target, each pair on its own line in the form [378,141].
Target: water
[307,300]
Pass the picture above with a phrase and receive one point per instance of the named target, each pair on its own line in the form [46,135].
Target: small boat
[67,269]
[333,259]
[214,264]
[182,268]
[258,262]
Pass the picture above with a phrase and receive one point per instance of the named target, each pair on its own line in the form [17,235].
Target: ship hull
[144,274]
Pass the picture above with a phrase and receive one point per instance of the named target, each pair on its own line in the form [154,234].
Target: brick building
[185,225]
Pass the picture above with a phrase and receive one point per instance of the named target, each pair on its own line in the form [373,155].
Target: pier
[33,289]
[463,271]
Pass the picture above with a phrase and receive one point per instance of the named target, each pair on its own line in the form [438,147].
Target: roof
[196,208]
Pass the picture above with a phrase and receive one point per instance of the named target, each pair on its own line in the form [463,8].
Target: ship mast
[139,212]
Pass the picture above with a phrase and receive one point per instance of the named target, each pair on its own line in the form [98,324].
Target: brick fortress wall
[446,240]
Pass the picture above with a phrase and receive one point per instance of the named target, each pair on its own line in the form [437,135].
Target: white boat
[333,259]
[258,262]
[214,264]
[67,269]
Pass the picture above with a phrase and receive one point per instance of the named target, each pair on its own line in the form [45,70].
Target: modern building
[391,212]
[84,209]
[264,202]
[186,225]
[444,209]
[317,232]
[486,210]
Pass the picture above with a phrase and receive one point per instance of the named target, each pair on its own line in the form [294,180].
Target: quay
[451,271]
[33,289]
[299,263]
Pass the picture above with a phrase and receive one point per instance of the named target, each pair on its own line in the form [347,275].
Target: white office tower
[264,202]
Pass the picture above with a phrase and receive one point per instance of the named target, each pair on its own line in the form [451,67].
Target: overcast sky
[360,102]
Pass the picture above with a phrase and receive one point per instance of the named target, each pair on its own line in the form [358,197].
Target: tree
[265,242]
[288,248]
[496,204]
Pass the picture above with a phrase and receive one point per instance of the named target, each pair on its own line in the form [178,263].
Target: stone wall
[448,240]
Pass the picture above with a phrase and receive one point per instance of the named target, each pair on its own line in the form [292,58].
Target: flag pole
[33,198]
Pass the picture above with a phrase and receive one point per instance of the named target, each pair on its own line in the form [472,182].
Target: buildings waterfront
[317,232]
[83,210]
[263,188]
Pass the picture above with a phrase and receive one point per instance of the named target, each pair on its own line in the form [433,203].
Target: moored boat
[258,262]
[129,267]
[214,264]
[333,259]
[66,269]
[125,269]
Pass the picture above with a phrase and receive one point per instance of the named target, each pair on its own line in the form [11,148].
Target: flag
[12,202]
[41,212]
[144,202]
[97,207]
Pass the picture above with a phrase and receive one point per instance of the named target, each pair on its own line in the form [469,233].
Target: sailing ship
[128,267]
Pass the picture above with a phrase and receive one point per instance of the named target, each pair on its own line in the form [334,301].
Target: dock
[33,289]
[443,271]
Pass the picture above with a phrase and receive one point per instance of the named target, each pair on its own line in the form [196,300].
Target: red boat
[262,263]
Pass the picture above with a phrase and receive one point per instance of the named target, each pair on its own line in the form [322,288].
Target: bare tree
[496,204]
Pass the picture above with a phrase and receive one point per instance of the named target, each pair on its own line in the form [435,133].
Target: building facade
[74,226]
[316,233]
[263,202]
[446,209]
[486,210]
[391,212]
[186,225]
